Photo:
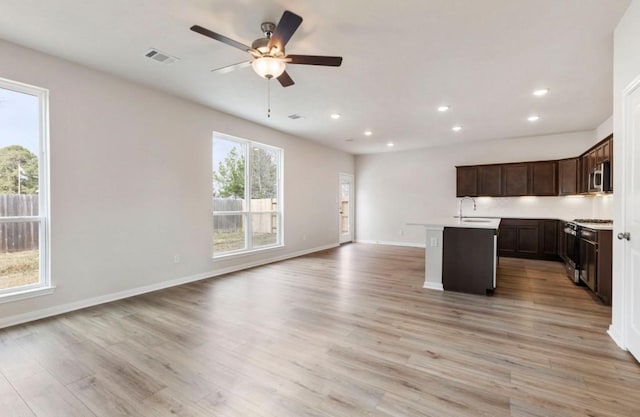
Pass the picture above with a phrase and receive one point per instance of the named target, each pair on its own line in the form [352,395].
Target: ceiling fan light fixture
[268,67]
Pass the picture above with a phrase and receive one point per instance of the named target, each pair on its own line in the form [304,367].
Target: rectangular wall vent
[160,56]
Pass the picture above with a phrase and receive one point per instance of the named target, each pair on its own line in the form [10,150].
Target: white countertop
[465,222]
[595,226]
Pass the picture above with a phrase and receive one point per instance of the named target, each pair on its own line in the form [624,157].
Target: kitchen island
[460,253]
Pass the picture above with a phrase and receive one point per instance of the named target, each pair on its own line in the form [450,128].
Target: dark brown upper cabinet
[490,180]
[544,178]
[516,179]
[609,149]
[584,174]
[541,178]
[568,176]
[467,181]
[601,152]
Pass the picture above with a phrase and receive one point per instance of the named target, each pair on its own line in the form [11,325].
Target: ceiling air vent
[160,56]
[295,116]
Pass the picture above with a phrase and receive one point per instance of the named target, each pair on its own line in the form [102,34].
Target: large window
[247,196]
[23,185]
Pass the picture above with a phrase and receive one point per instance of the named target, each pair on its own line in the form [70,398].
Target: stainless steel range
[571,251]
[580,246]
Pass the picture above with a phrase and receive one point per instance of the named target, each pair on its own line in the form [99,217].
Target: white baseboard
[389,243]
[90,302]
[613,333]
[433,286]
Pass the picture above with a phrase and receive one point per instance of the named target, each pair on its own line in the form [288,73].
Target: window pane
[19,144]
[19,254]
[264,227]
[229,232]
[264,174]
[228,169]
[344,208]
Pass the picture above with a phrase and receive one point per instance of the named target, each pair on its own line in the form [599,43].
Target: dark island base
[468,260]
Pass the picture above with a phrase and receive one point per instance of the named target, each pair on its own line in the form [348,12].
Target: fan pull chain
[269,98]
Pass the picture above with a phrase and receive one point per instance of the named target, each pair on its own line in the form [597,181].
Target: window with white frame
[247,196]
[23,189]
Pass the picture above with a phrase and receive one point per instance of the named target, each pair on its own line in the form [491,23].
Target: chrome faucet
[462,200]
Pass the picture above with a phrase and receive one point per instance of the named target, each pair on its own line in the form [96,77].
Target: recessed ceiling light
[541,92]
[443,108]
[456,128]
[390,144]
[335,116]
[368,132]
[533,118]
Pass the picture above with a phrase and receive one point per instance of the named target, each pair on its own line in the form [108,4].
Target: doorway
[345,207]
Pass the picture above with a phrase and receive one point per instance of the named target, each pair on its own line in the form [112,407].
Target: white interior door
[630,231]
[345,207]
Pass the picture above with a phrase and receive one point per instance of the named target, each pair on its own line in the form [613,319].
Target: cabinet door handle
[626,235]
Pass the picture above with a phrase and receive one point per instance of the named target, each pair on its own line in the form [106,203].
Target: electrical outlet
[401,231]
[176,259]
[304,236]
[434,241]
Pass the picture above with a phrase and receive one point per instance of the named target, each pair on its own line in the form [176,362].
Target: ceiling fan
[269,56]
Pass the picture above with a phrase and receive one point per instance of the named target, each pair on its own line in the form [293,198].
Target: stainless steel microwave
[600,178]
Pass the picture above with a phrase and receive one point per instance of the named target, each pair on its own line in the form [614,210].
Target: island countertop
[465,222]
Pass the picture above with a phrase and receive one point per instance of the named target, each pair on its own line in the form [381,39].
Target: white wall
[130,186]
[626,67]
[400,187]
[604,129]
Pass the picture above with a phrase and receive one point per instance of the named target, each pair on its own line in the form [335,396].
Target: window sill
[30,293]
[246,253]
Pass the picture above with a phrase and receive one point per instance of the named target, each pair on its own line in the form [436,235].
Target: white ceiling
[402,59]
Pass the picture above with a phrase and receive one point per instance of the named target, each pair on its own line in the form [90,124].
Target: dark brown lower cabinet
[604,265]
[528,238]
[507,236]
[550,238]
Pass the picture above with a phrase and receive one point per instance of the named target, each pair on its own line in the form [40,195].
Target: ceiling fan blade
[285,80]
[327,61]
[219,37]
[232,67]
[288,24]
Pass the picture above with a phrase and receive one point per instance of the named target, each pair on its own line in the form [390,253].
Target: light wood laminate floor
[344,332]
